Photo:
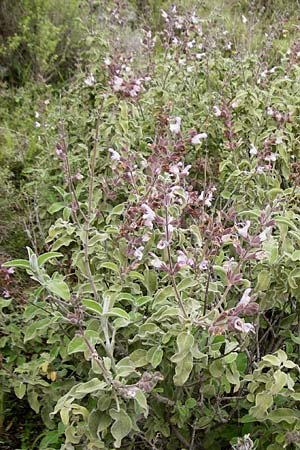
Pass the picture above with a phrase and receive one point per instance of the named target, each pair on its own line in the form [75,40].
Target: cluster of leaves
[38,38]
[164,312]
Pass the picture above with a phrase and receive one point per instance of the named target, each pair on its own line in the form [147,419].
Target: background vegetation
[150,206]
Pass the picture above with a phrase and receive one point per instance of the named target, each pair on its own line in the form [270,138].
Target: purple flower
[162,244]
[203,265]
[183,259]
[139,253]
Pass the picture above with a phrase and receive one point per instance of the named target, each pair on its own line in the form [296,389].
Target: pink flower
[139,253]
[243,327]
[191,44]
[217,111]
[198,138]
[146,237]
[175,168]
[149,216]
[246,298]
[186,170]
[183,259]
[162,244]
[115,156]
[117,83]
[260,169]
[206,197]
[244,230]
[90,80]
[175,127]
[78,176]
[272,157]
[156,262]
[203,265]
[265,234]
[164,14]
[253,150]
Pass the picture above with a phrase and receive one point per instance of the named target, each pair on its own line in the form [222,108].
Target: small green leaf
[163,295]
[110,265]
[187,283]
[23,263]
[293,278]
[5,302]
[136,275]
[55,207]
[139,357]
[183,370]
[248,419]
[47,256]
[183,358]
[76,345]
[63,241]
[92,306]
[150,278]
[263,401]
[263,280]
[216,368]
[141,400]
[34,328]
[280,379]
[64,414]
[118,312]
[191,403]
[59,288]
[32,398]
[20,389]
[285,221]
[121,427]
[117,210]
[296,255]
[271,360]
[283,415]
[82,389]
[156,358]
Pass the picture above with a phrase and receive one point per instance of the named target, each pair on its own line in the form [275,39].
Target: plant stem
[173,280]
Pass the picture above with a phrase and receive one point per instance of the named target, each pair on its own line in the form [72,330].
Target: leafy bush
[163,310]
[38,37]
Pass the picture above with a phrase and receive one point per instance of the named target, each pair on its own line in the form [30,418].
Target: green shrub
[39,38]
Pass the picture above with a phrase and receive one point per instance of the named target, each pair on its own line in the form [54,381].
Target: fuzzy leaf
[42,259]
[92,306]
[23,263]
[121,427]
[59,288]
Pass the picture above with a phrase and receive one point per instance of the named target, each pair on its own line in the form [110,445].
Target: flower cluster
[231,320]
